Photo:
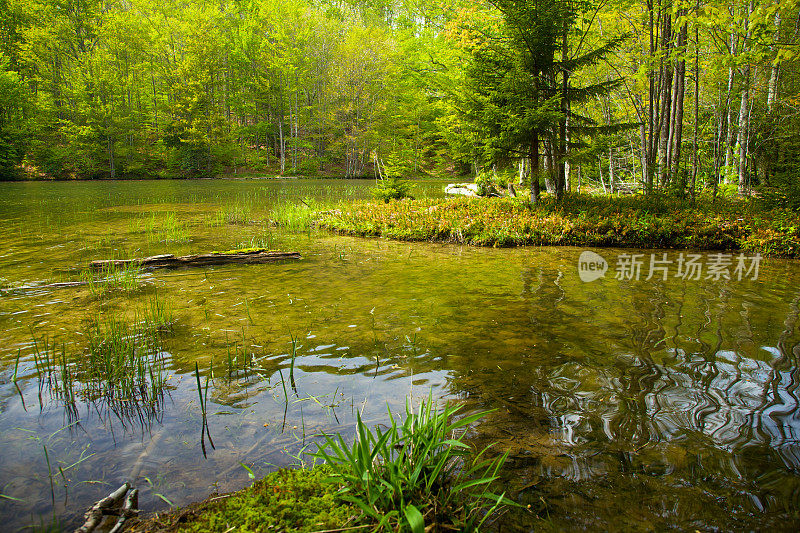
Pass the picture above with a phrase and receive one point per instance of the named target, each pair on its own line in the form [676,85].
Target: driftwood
[94,516]
[171,261]
[129,509]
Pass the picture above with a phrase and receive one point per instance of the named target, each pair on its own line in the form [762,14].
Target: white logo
[688,266]
[591,266]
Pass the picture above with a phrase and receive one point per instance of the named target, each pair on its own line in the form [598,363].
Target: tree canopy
[670,94]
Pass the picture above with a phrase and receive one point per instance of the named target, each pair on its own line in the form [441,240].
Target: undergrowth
[578,220]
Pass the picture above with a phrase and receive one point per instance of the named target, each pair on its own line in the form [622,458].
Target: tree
[518,85]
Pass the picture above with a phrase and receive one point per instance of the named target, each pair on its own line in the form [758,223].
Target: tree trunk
[744,116]
[695,155]
[678,97]
[550,179]
[729,133]
[282,145]
[742,137]
[665,101]
[561,152]
[772,87]
[600,167]
[534,168]
[611,183]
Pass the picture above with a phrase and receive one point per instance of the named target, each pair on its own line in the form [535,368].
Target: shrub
[392,189]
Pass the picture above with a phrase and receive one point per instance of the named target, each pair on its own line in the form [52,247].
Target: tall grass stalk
[114,278]
[16,365]
[291,365]
[203,394]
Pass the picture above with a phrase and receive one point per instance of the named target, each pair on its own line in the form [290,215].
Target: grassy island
[577,220]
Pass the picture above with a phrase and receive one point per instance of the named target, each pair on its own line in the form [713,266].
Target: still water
[624,404]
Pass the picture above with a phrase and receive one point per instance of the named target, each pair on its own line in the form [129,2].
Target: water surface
[623,404]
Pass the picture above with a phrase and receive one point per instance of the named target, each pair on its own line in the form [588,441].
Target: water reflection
[668,381]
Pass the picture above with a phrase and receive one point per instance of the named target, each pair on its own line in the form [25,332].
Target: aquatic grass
[162,228]
[291,364]
[16,365]
[122,366]
[122,278]
[237,213]
[239,361]
[417,474]
[299,215]
[124,361]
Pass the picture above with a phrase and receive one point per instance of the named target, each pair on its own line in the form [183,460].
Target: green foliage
[286,500]
[392,188]
[417,473]
[485,183]
[11,126]
[492,183]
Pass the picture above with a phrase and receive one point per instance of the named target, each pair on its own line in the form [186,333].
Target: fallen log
[214,258]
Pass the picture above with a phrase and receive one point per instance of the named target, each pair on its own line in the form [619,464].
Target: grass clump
[162,228]
[418,475]
[578,220]
[122,366]
[114,279]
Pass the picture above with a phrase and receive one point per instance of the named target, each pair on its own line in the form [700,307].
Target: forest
[670,95]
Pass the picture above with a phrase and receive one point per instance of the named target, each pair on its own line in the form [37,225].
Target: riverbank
[417,475]
[300,500]
[579,220]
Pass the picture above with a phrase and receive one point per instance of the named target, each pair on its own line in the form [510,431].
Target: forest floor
[578,220]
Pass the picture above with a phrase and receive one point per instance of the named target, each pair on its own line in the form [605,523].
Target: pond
[624,404]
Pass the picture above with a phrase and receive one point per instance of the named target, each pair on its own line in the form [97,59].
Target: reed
[122,365]
[203,394]
[113,278]
[163,228]
[298,216]
[291,364]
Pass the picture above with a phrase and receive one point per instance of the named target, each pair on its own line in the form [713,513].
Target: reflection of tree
[666,379]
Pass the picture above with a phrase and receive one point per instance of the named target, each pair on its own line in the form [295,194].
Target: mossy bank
[287,500]
[578,220]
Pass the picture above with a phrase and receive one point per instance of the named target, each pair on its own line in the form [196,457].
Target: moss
[241,251]
[287,500]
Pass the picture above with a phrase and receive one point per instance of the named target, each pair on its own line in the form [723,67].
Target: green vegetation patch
[286,500]
[241,251]
[578,220]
